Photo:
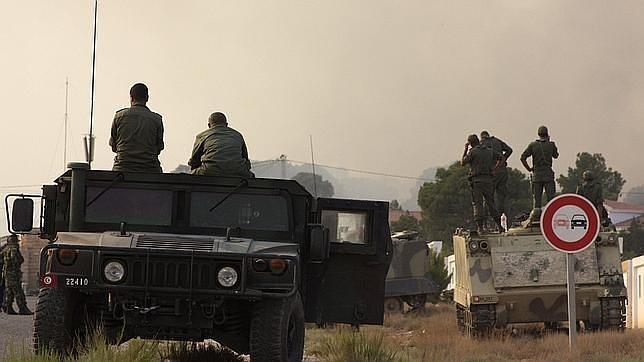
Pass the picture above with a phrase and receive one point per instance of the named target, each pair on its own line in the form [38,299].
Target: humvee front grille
[199,243]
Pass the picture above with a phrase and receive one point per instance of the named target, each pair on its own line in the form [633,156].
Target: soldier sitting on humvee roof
[220,151]
[137,135]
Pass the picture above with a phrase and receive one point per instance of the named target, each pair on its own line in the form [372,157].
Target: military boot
[10,310]
[24,310]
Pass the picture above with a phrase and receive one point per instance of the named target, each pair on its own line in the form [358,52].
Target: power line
[375,173]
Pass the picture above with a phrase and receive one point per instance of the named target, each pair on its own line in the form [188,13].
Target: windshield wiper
[116,180]
[243,183]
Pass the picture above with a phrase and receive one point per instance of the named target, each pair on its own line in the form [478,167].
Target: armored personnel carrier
[517,277]
[408,280]
[186,257]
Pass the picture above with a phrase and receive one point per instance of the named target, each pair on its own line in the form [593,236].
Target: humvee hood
[199,243]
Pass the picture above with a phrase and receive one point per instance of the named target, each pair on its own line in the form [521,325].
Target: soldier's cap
[588,175]
[485,134]
[217,118]
[542,131]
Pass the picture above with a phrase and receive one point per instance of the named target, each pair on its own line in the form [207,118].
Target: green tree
[323,187]
[406,222]
[612,181]
[633,237]
[447,202]
[438,272]
[635,195]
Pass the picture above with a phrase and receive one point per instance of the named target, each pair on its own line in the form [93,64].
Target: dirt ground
[16,330]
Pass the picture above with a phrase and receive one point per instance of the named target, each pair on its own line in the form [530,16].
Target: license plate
[76,282]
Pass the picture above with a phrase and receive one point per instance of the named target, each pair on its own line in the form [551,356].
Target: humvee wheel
[393,305]
[56,320]
[416,301]
[277,330]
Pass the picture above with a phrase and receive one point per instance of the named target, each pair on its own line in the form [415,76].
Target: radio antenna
[65,142]
[89,143]
[315,186]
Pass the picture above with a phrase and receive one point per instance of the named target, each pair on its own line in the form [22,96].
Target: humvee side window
[249,212]
[346,226]
[133,206]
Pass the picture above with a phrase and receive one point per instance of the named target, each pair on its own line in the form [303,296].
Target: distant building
[624,225]
[622,214]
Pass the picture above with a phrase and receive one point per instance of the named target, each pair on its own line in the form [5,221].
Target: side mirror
[22,215]
[319,245]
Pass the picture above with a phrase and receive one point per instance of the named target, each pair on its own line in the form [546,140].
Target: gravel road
[16,330]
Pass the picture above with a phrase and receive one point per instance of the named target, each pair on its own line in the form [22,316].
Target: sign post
[570,224]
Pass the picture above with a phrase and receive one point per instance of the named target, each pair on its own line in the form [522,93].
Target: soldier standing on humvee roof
[542,152]
[13,277]
[591,189]
[483,163]
[220,151]
[500,179]
[137,135]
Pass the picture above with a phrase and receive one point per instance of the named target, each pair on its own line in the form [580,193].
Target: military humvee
[185,257]
[517,277]
[408,280]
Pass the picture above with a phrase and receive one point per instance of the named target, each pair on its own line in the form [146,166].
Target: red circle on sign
[548,215]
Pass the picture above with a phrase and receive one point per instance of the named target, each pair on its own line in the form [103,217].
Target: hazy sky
[386,86]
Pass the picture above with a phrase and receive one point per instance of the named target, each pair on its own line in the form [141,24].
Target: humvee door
[349,286]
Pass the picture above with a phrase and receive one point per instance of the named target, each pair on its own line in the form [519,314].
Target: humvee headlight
[474,245]
[227,277]
[483,245]
[114,271]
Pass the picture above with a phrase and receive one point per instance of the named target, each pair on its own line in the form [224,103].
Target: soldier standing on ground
[2,304]
[542,152]
[500,179]
[220,151]
[13,277]
[483,162]
[137,135]
[591,189]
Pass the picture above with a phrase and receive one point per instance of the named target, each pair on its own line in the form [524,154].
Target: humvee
[186,257]
[517,277]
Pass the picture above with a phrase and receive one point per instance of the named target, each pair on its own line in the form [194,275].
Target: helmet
[588,175]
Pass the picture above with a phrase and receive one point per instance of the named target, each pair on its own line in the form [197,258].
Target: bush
[356,347]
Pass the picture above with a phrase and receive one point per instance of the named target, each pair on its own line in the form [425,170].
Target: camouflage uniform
[500,178]
[137,140]
[220,151]
[482,161]
[13,277]
[542,152]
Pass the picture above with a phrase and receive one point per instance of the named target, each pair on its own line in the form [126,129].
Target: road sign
[570,223]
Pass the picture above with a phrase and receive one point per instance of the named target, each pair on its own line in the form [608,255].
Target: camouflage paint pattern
[526,278]
[408,269]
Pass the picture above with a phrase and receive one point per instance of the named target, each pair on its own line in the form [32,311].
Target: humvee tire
[277,330]
[56,323]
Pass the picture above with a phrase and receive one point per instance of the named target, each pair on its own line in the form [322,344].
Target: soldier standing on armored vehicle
[137,135]
[500,179]
[13,277]
[220,151]
[592,190]
[481,160]
[542,152]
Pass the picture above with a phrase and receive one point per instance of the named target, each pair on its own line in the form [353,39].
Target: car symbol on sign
[578,221]
[560,221]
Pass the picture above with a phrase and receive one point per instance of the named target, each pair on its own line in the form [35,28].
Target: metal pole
[65,143]
[572,312]
[91,109]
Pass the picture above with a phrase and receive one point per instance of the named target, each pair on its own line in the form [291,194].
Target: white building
[450,265]
[634,281]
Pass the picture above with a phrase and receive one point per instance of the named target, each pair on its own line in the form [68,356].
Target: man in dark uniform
[542,152]
[137,135]
[483,162]
[591,189]
[220,151]
[13,277]
[500,179]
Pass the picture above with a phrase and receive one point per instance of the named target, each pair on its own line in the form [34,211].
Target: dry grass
[433,336]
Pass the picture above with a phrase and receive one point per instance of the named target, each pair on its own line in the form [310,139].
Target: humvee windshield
[149,207]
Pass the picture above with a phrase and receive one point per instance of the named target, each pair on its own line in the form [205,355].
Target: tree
[612,181]
[324,188]
[447,202]
[406,222]
[438,272]
[635,195]
[633,245]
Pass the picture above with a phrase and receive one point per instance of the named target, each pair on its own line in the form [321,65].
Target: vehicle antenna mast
[65,124]
[89,139]
[315,186]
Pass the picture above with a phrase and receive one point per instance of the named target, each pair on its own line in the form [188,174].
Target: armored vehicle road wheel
[277,330]
[416,301]
[613,313]
[460,318]
[58,320]
[479,320]
[393,305]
